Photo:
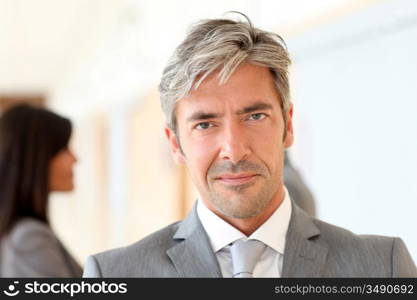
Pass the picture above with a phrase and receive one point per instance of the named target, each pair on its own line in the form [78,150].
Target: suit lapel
[193,256]
[302,256]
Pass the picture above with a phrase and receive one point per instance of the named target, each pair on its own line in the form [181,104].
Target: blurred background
[98,62]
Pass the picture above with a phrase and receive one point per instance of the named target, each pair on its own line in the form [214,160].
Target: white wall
[355,89]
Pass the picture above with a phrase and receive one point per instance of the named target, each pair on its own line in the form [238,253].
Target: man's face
[232,141]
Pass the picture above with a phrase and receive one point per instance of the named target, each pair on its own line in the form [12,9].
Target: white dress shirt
[272,233]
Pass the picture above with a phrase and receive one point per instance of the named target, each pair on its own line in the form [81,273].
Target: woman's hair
[29,138]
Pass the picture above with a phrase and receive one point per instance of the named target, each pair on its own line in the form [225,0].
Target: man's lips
[236,179]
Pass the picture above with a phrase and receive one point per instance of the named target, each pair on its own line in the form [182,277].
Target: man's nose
[234,144]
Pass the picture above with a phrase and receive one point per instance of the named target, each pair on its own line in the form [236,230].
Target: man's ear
[174,145]
[289,135]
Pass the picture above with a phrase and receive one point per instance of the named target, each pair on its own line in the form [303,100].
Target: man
[225,93]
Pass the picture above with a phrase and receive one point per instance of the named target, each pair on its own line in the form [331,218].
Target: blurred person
[225,95]
[297,189]
[35,160]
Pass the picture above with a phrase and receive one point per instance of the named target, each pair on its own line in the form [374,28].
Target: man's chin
[238,207]
[240,213]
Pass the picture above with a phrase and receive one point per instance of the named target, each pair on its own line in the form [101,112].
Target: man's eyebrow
[255,107]
[199,115]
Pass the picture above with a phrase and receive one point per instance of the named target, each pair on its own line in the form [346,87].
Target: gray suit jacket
[313,249]
[31,249]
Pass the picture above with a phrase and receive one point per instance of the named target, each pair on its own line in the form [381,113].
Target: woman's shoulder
[32,249]
[27,229]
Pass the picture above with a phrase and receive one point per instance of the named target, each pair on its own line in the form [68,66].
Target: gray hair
[222,45]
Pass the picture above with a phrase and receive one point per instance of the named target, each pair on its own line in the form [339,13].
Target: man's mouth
[236,178]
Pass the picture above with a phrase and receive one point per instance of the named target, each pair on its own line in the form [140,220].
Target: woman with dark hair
[34,161]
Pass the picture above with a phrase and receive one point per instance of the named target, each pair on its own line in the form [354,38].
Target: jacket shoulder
[139,259]
[31,249]
[30,232]
[364,255]
[336,234]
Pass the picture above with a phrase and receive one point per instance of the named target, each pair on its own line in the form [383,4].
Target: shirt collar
[272,232]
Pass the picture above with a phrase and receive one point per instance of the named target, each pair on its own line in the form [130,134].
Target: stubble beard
[243,205]
[245,200]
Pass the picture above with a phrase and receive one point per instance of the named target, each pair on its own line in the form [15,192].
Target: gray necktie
[245,255]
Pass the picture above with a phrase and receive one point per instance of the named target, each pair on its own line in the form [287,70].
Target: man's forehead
[247,86]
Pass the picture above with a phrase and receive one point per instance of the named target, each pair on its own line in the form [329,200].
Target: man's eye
[257,116]
[203,125]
